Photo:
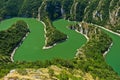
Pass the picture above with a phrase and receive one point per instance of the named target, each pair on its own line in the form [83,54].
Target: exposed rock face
[114,17]
[73,10]
[42,11]
[104,13]
[50,73]
[93,35]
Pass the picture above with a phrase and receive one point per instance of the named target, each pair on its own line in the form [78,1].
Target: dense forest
[104,13]
[92,65]
[11,38]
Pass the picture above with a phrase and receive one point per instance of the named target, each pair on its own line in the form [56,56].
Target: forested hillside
[105,13]
[11,38]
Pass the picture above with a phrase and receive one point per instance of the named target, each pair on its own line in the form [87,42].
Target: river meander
[31,48]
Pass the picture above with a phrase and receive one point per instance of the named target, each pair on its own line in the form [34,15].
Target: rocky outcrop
[50,73]
[94,36]
[114,12]
[42,11]
[73,10]
[103,12]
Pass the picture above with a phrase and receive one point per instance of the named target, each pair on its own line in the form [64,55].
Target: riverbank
[106,29]
[101,27]
[13,52]
[46,47]
[46,38]
[85,35]
[83,44]
[105,53]
[31,48]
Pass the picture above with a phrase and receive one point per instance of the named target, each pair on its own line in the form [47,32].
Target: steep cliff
[104,13]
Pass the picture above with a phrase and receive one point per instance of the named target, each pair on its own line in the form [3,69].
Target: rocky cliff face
[50,73]
[104,13]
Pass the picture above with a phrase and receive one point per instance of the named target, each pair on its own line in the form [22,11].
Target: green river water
[31,49]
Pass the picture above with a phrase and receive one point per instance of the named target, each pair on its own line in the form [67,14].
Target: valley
[32,47]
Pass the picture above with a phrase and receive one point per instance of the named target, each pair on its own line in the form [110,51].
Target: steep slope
[59,69]
[50,73]
[104,13]
[52,35]
[11,39]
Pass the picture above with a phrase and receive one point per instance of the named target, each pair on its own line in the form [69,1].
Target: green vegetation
[94,11]
[98,40]
[113,4]
[93,63]
[22,71]
[112,58]
[53,9]
[105,12]
[89,10]
[63,76]
[32,47]
[9,8]
[29,8]
[12,37]
[116,29]
[80,10]
[67,8]
[96,45]
[52,34]
[22,8]
[94,67]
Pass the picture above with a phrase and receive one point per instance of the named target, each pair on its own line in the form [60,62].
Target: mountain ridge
[104,13]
